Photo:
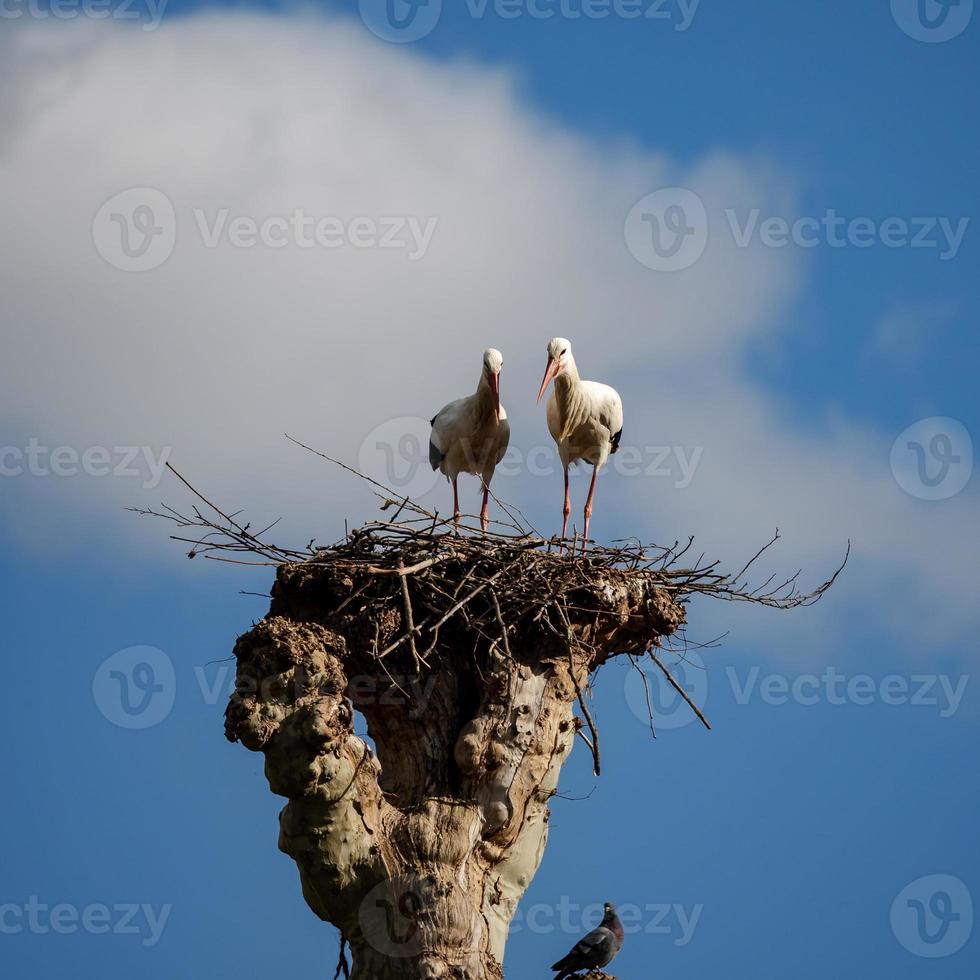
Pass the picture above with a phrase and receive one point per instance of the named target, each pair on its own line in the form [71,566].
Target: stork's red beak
[549,375]
[494,382]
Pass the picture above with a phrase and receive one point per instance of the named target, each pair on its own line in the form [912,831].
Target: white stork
[585,418]
[470,435]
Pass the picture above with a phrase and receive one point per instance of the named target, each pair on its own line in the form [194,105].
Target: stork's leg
[485,509]
[588,508]
[456,514]
[566,510]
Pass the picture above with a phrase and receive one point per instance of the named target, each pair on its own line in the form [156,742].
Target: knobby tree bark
[418,851]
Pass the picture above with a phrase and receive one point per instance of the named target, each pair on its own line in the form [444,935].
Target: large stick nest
[423,584]
[520,561]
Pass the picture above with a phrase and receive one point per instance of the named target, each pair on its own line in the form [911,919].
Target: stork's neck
[568,380]
[568,397]
[483,399]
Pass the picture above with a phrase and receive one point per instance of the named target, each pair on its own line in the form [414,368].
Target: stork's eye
[563,353]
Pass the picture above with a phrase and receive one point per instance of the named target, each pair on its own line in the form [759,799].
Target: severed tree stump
[467,658]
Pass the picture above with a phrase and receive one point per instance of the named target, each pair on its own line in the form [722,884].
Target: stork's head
[493,361]
[559,357]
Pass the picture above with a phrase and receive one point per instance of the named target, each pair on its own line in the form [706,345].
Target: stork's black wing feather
[436,455]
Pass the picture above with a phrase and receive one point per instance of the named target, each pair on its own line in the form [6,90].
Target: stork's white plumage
[470,435]
[585,419]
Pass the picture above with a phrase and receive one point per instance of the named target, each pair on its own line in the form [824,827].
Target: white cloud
[218,351]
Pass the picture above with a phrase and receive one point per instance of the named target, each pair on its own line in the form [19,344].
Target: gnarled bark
[420,853]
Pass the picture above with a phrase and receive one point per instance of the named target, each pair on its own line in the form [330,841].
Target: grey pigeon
[597,949]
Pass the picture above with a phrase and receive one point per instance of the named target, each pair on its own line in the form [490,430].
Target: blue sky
[783,837]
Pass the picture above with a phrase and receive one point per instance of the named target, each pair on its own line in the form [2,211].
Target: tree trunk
[420,853]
